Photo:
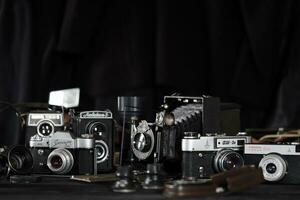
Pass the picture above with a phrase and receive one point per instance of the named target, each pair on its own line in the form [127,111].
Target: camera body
[279,162]
[203,156]
[160,141]
[62,153]
[100,125]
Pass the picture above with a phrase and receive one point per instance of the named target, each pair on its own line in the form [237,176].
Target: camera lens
[45,128]
[228,159]
[102,151]
[142,142]
[96,128]
[56,162]
[20,160]
[271,168]
[60,161]
[274,167]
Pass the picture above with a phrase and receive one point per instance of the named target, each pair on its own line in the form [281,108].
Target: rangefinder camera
[62,153]
[279,162]
[204,156]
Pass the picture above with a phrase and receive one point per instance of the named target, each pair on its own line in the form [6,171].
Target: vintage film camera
[62,153]
[82,132]
[100,125]
[161,141]
[203,156]
[279,162]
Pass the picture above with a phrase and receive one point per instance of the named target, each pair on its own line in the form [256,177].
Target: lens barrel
[227,159]
[60,161]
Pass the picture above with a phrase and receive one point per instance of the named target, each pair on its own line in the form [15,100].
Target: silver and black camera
[203,156]
[64,142]
[62,153]
[279,162]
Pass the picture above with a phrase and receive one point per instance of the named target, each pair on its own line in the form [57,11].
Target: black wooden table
[62,188]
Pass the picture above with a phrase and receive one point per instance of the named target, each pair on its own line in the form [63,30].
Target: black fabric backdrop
[243,51]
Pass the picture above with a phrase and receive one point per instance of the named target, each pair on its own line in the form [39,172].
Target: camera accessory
[15,160]
[131,107]
[61,153]
[153,180]
[279,162]
[204,156]
[68,98]
[100,125]
[125,182]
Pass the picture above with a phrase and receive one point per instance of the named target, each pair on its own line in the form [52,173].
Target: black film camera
[100,125]
[279,162]
[204,156]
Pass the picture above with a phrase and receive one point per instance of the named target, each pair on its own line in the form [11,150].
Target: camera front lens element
[271,168]
[96,128]
[142,142]
[56,162]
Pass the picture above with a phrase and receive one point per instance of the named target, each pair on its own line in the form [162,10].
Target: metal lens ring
[45,128]
[142,141]
[227,159]
[102,151]
[274,167]
[60,161]
[20,160]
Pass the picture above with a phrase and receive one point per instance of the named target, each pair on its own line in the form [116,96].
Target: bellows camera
[204,156]
[279,162]
[160,141]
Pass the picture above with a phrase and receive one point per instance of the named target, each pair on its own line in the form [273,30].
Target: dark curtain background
[240,50]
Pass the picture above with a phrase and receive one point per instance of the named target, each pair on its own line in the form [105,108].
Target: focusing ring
[280,167]
[222,155]
[104,156]
[66,158]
